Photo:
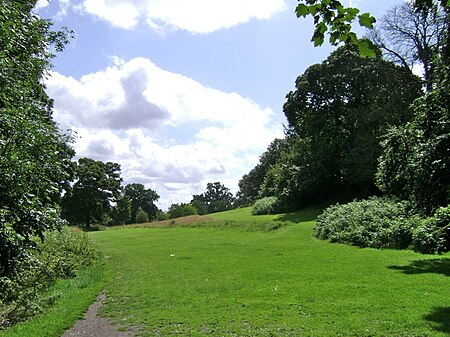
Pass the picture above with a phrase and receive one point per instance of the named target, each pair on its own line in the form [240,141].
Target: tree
[121,212]
[407,36]
[141,216]
[332,16]
[182,209]
[250,184]
[35,158]
[142,197]
[338,111]
[217,198]
[95,192]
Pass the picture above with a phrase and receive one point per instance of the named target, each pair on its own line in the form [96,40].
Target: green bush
[61,255]
[267,205]
[141,216]
[433,235]
[376,222]
[180,210]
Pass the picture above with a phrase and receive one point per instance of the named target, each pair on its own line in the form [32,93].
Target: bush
[180,210]
[141,216]
[61,255]
[376,222]
[433,235]
[268,205]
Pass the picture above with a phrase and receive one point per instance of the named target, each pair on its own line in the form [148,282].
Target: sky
[180,93]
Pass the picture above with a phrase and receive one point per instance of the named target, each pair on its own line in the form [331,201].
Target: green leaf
[366,20]
[351,13]
[366,49]
[302,10]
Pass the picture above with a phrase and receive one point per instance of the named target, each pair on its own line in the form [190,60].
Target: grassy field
[240,276]
[232,282]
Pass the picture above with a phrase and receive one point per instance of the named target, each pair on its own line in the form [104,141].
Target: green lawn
[222,279]
[232,282]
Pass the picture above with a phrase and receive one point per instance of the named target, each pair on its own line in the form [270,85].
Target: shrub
[180,210]
[141,216]
[267,205]
[376,222]
[433,235]
[61,255]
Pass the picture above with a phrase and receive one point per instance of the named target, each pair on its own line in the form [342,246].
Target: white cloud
[196,16]
[165,129]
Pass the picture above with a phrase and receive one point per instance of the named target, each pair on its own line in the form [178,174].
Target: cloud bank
[167,131]
[195,16]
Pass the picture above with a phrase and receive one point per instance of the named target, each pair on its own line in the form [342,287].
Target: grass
[71,299]
[185,281]
[224,279]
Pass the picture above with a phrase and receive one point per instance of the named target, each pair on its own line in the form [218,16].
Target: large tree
[142,197]
[35,158]
[339,110]
[94,194]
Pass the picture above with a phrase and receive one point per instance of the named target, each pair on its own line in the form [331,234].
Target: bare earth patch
[93,325]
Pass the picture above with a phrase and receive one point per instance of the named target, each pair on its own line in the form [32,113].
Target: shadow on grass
[300,216]
[434,266]
[441,317]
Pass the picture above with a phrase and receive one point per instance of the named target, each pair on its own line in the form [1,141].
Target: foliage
[267,205]
[376,222]
[121,213]
[61,255]
[336,115]
[142,197]
[408,35]
[433,235]
[96,190]
[334,16]
[217,198]
[250,184]
[182,209]
[141,216]
[416,157]
[35,158]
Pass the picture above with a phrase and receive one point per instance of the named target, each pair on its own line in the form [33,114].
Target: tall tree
[35,158]
[339,110]
[143,198]
[216,198]
[95,192]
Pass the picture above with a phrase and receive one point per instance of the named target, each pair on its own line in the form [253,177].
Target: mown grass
[71,298]
[184,281]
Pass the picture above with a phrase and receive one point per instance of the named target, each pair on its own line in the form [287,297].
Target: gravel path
[93,325]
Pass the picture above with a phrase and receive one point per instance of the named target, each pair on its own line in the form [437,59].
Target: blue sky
[180,93]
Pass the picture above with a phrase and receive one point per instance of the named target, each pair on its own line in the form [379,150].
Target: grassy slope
[209,281]
[72,298]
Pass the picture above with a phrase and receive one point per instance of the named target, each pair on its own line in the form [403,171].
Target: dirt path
[94,326]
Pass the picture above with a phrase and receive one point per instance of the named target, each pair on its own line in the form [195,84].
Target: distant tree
[121,212]
[142,197]
[95,192]
[141,216]
[182,209]
[35,158]
[250,184]
[217,198]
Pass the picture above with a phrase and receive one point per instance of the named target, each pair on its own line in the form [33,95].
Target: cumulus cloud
[167,131]
[196,16]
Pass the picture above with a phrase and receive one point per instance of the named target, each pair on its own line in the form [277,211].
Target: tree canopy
[216,198]
[35,157]
[142,197]
[95,192]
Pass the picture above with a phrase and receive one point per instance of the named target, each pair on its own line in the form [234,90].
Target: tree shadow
[433,266]
[441,317]
[305,215]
